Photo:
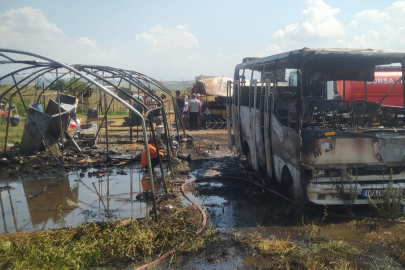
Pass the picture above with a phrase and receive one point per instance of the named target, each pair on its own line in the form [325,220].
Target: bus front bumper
[354,193]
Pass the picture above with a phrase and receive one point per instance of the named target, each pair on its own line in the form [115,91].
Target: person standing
[205,116]
[194,112]
[149,102]
[188,98]
[136,103]
[180,101]
[198,97]
[152,104]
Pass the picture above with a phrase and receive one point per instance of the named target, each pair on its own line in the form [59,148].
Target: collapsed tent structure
[48,130]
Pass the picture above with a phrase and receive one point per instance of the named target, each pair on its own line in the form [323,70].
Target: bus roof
[360,56]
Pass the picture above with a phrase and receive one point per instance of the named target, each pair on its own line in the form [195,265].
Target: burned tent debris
[48,125]
[48,130]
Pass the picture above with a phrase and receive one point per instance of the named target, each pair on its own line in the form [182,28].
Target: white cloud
[387,37]
[372,15]
[319,27]
[317,21]
[269,50]
[87,42]
[386,31]
[162,39]
[28,29]
[397,11]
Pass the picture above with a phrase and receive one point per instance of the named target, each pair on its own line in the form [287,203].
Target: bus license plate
[372,193]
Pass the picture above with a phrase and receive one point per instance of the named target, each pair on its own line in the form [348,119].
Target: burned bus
[290,121]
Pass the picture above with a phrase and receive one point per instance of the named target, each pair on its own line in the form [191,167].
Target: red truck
[385,77]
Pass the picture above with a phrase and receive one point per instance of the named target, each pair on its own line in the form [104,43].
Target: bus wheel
[287,182]
[249,159]
[247,154]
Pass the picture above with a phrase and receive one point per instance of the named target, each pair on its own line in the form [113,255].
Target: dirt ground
[235,209]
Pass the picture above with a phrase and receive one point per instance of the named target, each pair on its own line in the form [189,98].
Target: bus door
[236,116]
[254,127]
[285,140]
[267,126]
[228,113]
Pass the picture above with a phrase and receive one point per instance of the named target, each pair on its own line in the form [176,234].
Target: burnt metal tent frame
[105,74]
[139,81]
[47,66]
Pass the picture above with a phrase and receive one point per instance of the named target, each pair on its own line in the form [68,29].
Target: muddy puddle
[233,203]
[77,198]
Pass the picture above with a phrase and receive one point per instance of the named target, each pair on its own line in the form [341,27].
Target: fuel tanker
[384,79]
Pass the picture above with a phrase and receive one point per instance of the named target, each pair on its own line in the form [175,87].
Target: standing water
[77,198]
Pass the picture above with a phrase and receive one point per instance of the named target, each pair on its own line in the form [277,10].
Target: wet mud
[240,208]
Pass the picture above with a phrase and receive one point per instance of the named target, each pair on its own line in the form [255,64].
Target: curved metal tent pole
[177,113]
[13,73]
[30,81]
[139,83]
[135,81]
[84,68]
[101,87]
[50,84]
[41,73]
[101,78]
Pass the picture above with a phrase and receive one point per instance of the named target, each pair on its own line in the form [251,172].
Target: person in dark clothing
[180,101]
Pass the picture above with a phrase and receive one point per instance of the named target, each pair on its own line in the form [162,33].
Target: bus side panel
[229,113]
[267,117]
[236,121]
[260,149]
[252,139]
[286,144]
[245,127]
[253,128]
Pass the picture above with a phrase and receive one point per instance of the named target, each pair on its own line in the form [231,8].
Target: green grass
[95,245]
[113,113]
[14,133]
[285,254]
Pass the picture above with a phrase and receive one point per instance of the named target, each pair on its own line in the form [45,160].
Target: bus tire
[248,155]
[249,159]
[287,182]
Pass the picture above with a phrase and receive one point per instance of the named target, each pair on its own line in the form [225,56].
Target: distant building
[202,77]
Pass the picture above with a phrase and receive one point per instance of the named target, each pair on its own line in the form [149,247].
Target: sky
[179,40]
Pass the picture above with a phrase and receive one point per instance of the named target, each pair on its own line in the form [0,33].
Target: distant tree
[75,84]
[59,84]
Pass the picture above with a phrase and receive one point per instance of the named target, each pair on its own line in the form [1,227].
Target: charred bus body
[325,150]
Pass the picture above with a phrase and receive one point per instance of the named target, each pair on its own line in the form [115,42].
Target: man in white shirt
[188,98]
[194,111]
[148,101]
[151,104]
